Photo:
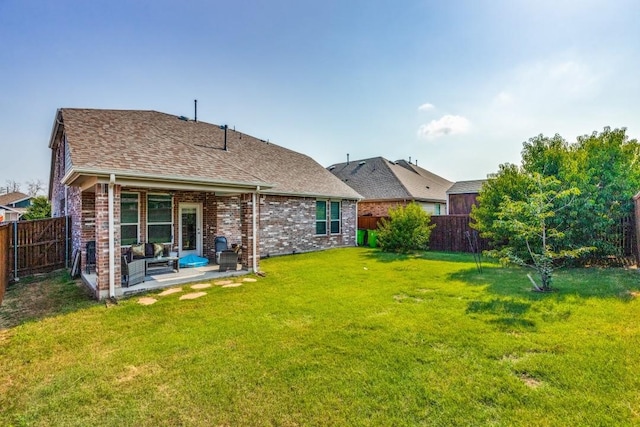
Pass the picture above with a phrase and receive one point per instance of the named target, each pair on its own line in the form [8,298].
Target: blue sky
[456,85]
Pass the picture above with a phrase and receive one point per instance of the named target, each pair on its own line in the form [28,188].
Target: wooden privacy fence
[38,246]
[4,259]
[449,234]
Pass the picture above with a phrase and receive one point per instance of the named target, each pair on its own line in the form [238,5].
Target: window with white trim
[328,217]
[335,217]
[159,218]
[129,218]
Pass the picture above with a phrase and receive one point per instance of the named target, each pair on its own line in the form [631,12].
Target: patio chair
[132,271]
[220,244]
[228,260]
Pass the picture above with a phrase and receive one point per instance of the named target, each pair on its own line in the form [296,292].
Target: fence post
[15,251]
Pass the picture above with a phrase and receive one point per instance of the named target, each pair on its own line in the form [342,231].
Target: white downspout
[355,238]
[255,240]
[112,264]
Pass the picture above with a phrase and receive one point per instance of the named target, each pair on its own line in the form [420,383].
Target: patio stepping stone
[147,301]
[232,285]
[223,282]
[201,286]
[193,295]
[249,279]
[170,291]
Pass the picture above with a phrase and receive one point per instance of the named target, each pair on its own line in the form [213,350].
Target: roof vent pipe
[195,110]
[225,136]
[409,159]
[347,158]
[416,162]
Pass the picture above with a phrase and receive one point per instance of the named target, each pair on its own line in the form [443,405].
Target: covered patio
[159,278]
[184,218]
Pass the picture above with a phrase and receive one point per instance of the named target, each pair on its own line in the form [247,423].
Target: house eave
[87,178]
[311,195]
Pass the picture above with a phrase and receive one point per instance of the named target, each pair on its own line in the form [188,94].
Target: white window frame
[160,223]
[328,220]
[137,224]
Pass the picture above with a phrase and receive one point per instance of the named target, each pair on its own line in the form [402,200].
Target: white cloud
[445,125]
[426,107]
[503,99]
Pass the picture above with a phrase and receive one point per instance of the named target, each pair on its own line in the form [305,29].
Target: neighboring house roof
[10,199]
[466,187]
[380,179]
[149,145]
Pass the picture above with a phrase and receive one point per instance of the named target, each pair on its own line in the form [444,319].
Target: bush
[408,228]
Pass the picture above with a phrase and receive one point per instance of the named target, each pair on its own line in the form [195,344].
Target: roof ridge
[404,187]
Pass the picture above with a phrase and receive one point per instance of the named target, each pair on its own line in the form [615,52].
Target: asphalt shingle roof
[466,187]
[380,179]
[162,145]
[9,198]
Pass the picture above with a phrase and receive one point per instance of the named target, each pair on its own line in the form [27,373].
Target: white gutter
[112,264]
[255,240]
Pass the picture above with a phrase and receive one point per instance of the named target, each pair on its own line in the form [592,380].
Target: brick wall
[229,218]
[288,225]
[102,237]
[246,230]
[377,208]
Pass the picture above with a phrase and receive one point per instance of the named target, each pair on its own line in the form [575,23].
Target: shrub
[408,228]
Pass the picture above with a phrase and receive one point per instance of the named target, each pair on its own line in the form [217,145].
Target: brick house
[385,184]
[463,195]
[128,176]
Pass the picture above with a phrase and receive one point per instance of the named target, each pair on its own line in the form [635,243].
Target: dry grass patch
[41,296]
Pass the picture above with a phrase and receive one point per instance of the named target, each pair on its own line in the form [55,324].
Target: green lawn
[341,337]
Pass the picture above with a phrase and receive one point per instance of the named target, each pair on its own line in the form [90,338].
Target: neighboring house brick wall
[287,225]
[378,208]
[381,208]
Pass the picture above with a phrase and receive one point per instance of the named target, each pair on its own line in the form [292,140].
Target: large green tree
[40,208]
[603,166]
[607,172]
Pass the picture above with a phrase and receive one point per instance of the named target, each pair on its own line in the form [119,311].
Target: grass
[341,337]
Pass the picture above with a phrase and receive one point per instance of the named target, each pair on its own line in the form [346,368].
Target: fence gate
[39,246]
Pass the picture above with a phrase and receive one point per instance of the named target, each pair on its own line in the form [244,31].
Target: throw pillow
[137,251]
[158,249]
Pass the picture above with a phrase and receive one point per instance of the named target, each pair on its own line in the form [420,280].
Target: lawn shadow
[506,314]
[582,283]
[381,256]
[37,297]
